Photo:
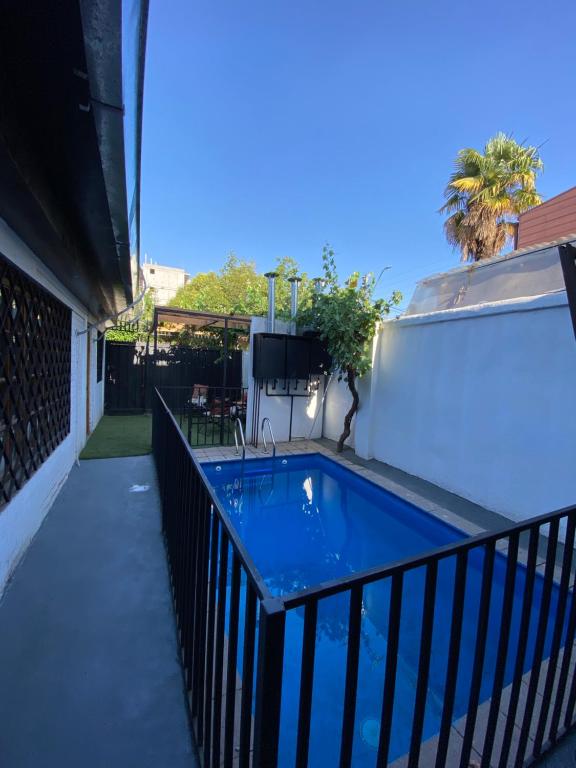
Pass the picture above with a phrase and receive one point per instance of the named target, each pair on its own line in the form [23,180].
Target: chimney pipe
[293,302]
[271,322]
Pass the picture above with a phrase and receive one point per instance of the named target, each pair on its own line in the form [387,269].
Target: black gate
[185,367]
[132,373]
[124,389]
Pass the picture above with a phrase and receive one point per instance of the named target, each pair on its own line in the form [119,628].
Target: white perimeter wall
[21,518]
[278,408]
[479,401]
[337,403]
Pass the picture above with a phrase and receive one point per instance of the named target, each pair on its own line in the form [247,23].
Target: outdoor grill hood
[64,150]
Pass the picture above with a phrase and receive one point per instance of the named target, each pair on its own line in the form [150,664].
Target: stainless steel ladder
[238,426]
[265,421]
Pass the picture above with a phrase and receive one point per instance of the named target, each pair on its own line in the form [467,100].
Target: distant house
[166,281]
[553,220]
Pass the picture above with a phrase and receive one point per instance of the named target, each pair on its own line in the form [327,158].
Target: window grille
[35,359]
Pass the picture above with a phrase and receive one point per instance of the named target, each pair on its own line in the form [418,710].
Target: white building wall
[338,402]
[479,401]
[22,517]
[246,369]
[166,281]
[96,387]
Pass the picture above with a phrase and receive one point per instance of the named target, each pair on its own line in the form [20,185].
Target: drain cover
[370,732]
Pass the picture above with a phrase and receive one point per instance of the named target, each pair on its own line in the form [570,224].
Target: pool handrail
[265,421]
[238,426]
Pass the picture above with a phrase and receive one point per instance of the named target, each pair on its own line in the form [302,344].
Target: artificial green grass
[117,436]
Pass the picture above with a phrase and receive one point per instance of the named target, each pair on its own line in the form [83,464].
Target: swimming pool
[307,520]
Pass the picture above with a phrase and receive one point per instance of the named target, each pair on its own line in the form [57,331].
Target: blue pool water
[306,520]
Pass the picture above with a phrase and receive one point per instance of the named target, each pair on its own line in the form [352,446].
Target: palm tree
[486,193]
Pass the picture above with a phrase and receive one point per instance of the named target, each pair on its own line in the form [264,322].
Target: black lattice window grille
[35,339]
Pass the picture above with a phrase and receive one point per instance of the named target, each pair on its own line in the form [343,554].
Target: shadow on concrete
[89,669]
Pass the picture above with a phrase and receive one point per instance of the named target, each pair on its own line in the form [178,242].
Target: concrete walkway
[89,671]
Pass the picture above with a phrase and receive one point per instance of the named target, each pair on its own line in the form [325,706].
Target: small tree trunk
[351,376]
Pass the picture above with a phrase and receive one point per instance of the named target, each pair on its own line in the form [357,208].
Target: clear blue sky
[271,127]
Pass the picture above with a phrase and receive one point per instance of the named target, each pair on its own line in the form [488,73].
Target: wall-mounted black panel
[281,356]
[297,357]
[269,356]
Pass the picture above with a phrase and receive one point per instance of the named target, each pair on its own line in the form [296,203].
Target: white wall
[21,518]
[166,281]
[277,408]
[96,387]
[246,367]
[479,401]
[338,402]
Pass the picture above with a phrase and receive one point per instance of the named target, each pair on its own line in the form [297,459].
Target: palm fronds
[486,192]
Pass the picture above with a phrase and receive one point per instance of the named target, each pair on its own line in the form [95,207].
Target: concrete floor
[89,670]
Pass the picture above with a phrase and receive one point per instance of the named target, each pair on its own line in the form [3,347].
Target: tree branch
[351,376]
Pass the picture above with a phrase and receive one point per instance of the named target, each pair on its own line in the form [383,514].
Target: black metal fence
[209,568]
[500,604]
[133,371]
[206,414]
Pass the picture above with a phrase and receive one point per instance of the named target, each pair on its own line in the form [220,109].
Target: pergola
[199,321]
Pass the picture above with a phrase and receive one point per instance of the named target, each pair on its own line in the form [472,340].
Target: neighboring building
[166,281]
[70,135]
[548,222]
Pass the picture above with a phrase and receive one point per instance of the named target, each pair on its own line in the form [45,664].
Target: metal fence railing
[206,413]
[209,569]
[491,642]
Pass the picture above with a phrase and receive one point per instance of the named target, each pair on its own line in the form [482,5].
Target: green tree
[237,288]
[485,194]
[346,318]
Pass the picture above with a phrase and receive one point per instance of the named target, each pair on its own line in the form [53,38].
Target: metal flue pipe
[271,321]
[294,281]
